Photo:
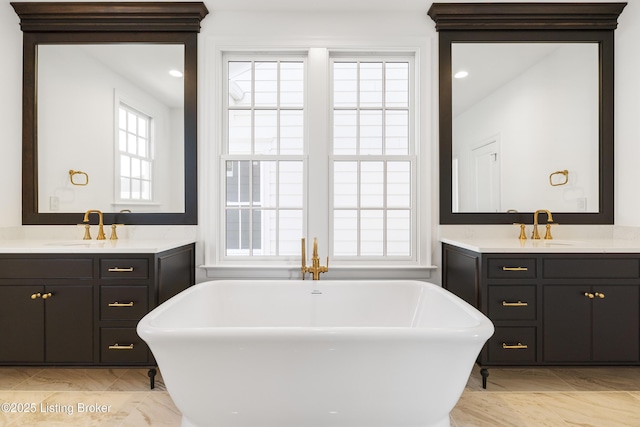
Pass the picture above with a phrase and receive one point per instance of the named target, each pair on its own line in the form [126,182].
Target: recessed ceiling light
[461,74]
[175,73]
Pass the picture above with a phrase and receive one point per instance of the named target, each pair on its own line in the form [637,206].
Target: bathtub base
[442,423]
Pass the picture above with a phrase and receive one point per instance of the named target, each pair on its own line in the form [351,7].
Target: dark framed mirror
[526,111]
[104,125]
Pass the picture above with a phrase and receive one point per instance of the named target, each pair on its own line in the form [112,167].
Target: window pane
[345,84]
[370,84]
[345,125]
[145,190]
[266,132]
[290,232]
[371,233]
[291,184]
[291,132]
[372,184]
[131,122]
[345,233]
[142,147]
[263,227]
[237,185]
[135,189]
[135,168]
[145,172]
[132,143]
[266,84]
[399,233]
[125,166]
[399,184]
[239,132]
[397,84]
[345,184]
[125,190]
[291,84]
[142,127]
[240,83]
[397,132]
[371,132]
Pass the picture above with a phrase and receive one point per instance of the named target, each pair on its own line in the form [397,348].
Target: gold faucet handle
[547,235]
[523,235]
[114,236]
[87,233]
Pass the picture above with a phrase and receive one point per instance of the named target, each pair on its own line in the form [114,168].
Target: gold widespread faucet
[535,234]
[101,235]
[315,268]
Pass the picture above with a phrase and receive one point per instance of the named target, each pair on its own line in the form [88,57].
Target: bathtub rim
[479,331]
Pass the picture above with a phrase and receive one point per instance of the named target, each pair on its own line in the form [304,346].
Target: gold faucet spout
[101,235]
[535,234]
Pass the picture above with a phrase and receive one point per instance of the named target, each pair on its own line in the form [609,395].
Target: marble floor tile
[515,397]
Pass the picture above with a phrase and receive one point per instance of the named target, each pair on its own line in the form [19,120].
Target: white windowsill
[335,272]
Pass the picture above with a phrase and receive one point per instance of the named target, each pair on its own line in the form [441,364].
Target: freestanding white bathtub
[315,353]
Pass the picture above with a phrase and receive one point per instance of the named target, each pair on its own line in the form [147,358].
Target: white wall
[320,27]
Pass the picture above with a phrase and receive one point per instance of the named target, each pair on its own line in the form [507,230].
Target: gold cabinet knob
[599,295]
[589,295]
[35,296]
[48,295]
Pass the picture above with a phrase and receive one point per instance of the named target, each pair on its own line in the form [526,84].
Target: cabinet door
[69,324]
[21,324]
[567,324]
[615,324]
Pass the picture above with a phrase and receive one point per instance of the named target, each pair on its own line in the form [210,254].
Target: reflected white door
[486,160]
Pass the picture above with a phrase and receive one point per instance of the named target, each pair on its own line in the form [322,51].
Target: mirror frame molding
[528,22]
[112,22]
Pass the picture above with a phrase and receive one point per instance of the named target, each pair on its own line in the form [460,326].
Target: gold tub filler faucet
[315,268]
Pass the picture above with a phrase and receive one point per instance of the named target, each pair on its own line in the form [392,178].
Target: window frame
[420,266]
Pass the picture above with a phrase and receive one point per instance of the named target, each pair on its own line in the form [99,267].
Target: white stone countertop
[514,245]
[52,246]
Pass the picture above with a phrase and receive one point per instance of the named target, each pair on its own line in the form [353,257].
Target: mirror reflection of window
[135,152]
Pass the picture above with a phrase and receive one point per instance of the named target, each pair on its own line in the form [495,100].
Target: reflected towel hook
[566,178]
[72,173]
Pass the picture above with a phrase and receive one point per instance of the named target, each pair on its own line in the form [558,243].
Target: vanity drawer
[512,345]
[122,345]
[512,302]
[590,268]
[46,268]
[123,302]
[507,268]
[124,268]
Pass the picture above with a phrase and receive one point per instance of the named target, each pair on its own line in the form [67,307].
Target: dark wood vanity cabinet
[552,308]
[83,309]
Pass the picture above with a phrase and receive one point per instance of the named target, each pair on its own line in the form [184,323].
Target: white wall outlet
[581,203]
[54,203]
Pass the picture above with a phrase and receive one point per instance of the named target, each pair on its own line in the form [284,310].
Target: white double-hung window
[318,144]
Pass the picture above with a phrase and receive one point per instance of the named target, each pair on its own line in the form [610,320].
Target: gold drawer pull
[121,270]
[514,304]
[600,295]
[589,295]
[518,346]
[34,296]
[47,295]
[121,304]
[515,269]
[121,347]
